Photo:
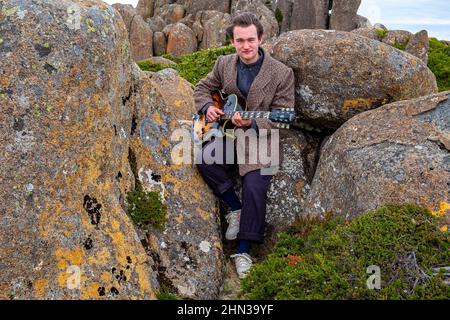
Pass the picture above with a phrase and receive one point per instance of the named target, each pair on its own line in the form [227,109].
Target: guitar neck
[246,114]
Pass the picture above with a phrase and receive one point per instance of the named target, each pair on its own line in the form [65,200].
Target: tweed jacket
[273,87]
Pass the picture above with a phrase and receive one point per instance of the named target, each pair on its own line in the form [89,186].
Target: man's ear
[261,40]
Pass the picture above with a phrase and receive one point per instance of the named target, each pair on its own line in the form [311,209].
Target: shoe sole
[228,238]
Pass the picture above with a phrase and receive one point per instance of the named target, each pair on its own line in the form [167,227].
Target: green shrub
[330,260]
[164,294]
[381,33]
[146,208]
[439,63]
[278,16]
[150,66]
[193,67]
[400,46]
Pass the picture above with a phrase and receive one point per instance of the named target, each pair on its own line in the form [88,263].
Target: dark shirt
[246,73]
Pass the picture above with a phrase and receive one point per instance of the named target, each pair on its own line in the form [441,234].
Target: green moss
[146,208]
[329,260]
[150,66]
[164,294]
[439,63]
[382,33]
[278,16]
[400,46]
[90,25]
[193,67]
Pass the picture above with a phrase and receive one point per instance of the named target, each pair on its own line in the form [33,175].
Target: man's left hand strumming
[239,122]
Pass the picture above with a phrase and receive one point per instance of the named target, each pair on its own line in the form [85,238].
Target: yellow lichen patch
[66,257]
[299,187]
[145,286]
[62,279]
[101,257]
[115,225]
[106,277]
[444,207]
[164,142]
[178,102]
[91,291]
[4,81]
[39,287]
[359,103]
[203,214]
[183,188]
[157,118]
[179,218]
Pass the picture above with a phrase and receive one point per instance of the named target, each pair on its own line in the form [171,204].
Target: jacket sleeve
[203,90]
[284,98]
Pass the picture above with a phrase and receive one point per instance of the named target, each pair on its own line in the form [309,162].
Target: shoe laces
[233,218]
[242,260]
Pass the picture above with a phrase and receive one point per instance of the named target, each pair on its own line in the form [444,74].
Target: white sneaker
[243,263]
[233,224]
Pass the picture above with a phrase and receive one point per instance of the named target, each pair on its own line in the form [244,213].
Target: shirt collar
[256,63]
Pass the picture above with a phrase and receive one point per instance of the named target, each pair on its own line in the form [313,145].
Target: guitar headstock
[283,116]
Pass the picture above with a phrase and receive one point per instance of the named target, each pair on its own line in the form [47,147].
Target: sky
[411,15]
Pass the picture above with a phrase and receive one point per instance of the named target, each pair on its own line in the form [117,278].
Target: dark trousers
[254,190]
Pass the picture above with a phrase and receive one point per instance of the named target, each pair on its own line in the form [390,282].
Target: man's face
[246,42]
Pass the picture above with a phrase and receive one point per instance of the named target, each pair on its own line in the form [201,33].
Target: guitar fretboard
[247,114]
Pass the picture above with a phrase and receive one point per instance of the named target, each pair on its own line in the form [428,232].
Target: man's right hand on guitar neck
[213,113]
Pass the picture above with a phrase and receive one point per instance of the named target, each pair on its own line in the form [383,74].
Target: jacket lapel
[255,94]
[230,81]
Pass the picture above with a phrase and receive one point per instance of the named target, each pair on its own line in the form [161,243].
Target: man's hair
[245,19]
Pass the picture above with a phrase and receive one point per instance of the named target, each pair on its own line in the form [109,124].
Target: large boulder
[419,45]
[172,13]
[340,74]
[159,43]
[210,28]
[283,10]
[362,22]
[309,14]
[65,77]
[141,39]
[397,37]
[188,251]
[368,32]
[290,186]
[156,23]
[265,15]
[398,153]
[145,8]
[343,15]
[180,39]
[127,12]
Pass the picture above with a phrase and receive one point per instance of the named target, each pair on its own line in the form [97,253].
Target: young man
[265,83]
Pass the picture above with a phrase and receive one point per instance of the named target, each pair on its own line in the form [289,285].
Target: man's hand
[213,113]
[239,122]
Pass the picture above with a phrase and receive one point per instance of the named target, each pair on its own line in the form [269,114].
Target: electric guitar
[203,130]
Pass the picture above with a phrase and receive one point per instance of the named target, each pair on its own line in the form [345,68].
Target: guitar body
[202,130]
